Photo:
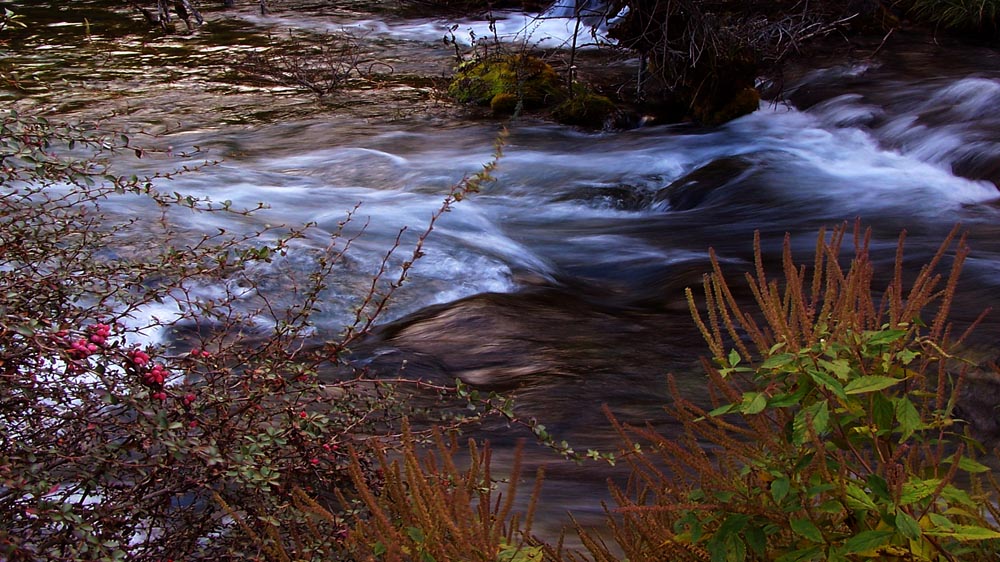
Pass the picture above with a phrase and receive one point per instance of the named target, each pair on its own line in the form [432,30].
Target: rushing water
[562,279]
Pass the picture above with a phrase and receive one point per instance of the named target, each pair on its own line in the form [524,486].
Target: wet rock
[535,339]
[695,188]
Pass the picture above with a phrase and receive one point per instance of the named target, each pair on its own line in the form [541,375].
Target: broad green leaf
[967,464]
[866,542]
[883,412]
[416,534]
[965,533]
[839,367]
[907,356]
[721,545]
[818,413]
[776,361]
[955,495]
[879,487]
[858,498]
[779,488]
[940,521]
[827,381]
[917,489]
[907,525]
[734,358]
[722,410]
[753,403]
[807,529]
[870,384]
[883,337]
[831,506]
[907,416]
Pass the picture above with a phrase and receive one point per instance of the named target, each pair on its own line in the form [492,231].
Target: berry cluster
[84,347]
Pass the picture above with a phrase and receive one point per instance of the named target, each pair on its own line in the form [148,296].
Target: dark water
[563,280]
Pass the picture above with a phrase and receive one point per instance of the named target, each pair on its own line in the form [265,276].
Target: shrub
[232,442]
[834,435]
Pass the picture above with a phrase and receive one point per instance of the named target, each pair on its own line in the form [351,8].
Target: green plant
[834,436]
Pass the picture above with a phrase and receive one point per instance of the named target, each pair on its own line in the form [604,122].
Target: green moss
[585,109]
[529,79]
[504,103]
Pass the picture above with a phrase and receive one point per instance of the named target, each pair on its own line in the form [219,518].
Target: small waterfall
[591,12]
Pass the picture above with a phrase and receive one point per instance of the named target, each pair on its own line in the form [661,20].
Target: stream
[563,280]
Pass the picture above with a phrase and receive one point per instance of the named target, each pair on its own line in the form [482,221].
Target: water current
[563,279]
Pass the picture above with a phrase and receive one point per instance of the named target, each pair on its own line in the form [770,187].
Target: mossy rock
[586,110]
[504,103]
[530,80]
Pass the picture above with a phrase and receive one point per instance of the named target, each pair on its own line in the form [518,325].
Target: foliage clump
[507,82]
[585,109]
[835,435]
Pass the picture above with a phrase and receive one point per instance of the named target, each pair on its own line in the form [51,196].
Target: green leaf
[858,499]
[882,411]
[917,489]
[879,487]
[753,403]
[807,529]
[839,367]
[779,488]
[776,361]
[415,534]
[867,541]
[883,337]
[831,506]
[965,533]
[907,525]
[734,358]
[907,416]
[721,543]
[870,383]
[819,413]
[825,380]
[967,464]
[720,410]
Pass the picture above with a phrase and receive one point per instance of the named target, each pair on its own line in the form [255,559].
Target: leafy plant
[834,436]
